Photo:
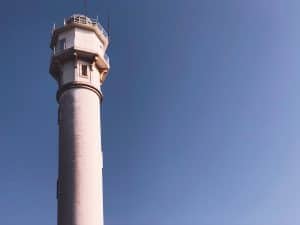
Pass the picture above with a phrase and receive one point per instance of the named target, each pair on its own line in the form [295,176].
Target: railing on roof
[81,19]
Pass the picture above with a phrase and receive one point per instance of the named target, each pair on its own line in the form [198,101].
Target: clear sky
[201,112]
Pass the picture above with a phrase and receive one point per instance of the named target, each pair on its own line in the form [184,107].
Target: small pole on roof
[85,7]
[53,28]
[108,26]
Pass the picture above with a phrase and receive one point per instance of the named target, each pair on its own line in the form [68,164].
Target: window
[61,44]
[58,191]
[84,69]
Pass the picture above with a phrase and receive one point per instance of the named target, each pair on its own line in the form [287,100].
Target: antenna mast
[108,26]
[85,7]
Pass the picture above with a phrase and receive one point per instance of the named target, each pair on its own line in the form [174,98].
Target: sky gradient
[200,114]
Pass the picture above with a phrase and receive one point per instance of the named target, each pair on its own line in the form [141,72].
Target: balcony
[57,52]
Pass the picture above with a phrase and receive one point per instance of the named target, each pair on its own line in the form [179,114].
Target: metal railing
[56,52]
[81,19]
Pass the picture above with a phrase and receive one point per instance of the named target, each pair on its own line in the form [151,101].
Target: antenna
[108,26]
[108,20]
[85,7]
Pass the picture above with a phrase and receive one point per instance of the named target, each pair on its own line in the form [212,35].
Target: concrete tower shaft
[80,159]
[80,65]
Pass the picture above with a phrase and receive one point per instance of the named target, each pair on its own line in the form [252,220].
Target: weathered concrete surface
[80,199]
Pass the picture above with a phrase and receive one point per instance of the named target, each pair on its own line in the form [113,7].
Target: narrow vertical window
[57,189]
[61,44]
[84,71]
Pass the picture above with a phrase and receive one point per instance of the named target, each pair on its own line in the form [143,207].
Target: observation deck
[79,37]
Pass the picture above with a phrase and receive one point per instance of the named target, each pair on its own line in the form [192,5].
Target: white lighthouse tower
[79,65]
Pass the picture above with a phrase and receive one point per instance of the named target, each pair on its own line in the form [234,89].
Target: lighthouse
[80,65]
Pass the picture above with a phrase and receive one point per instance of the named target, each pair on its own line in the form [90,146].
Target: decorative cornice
[68,86]
[77,54]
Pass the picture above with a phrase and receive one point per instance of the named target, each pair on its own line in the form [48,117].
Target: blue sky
[200,120]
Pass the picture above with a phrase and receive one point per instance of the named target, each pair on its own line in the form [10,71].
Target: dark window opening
[84,70]
[61,44]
